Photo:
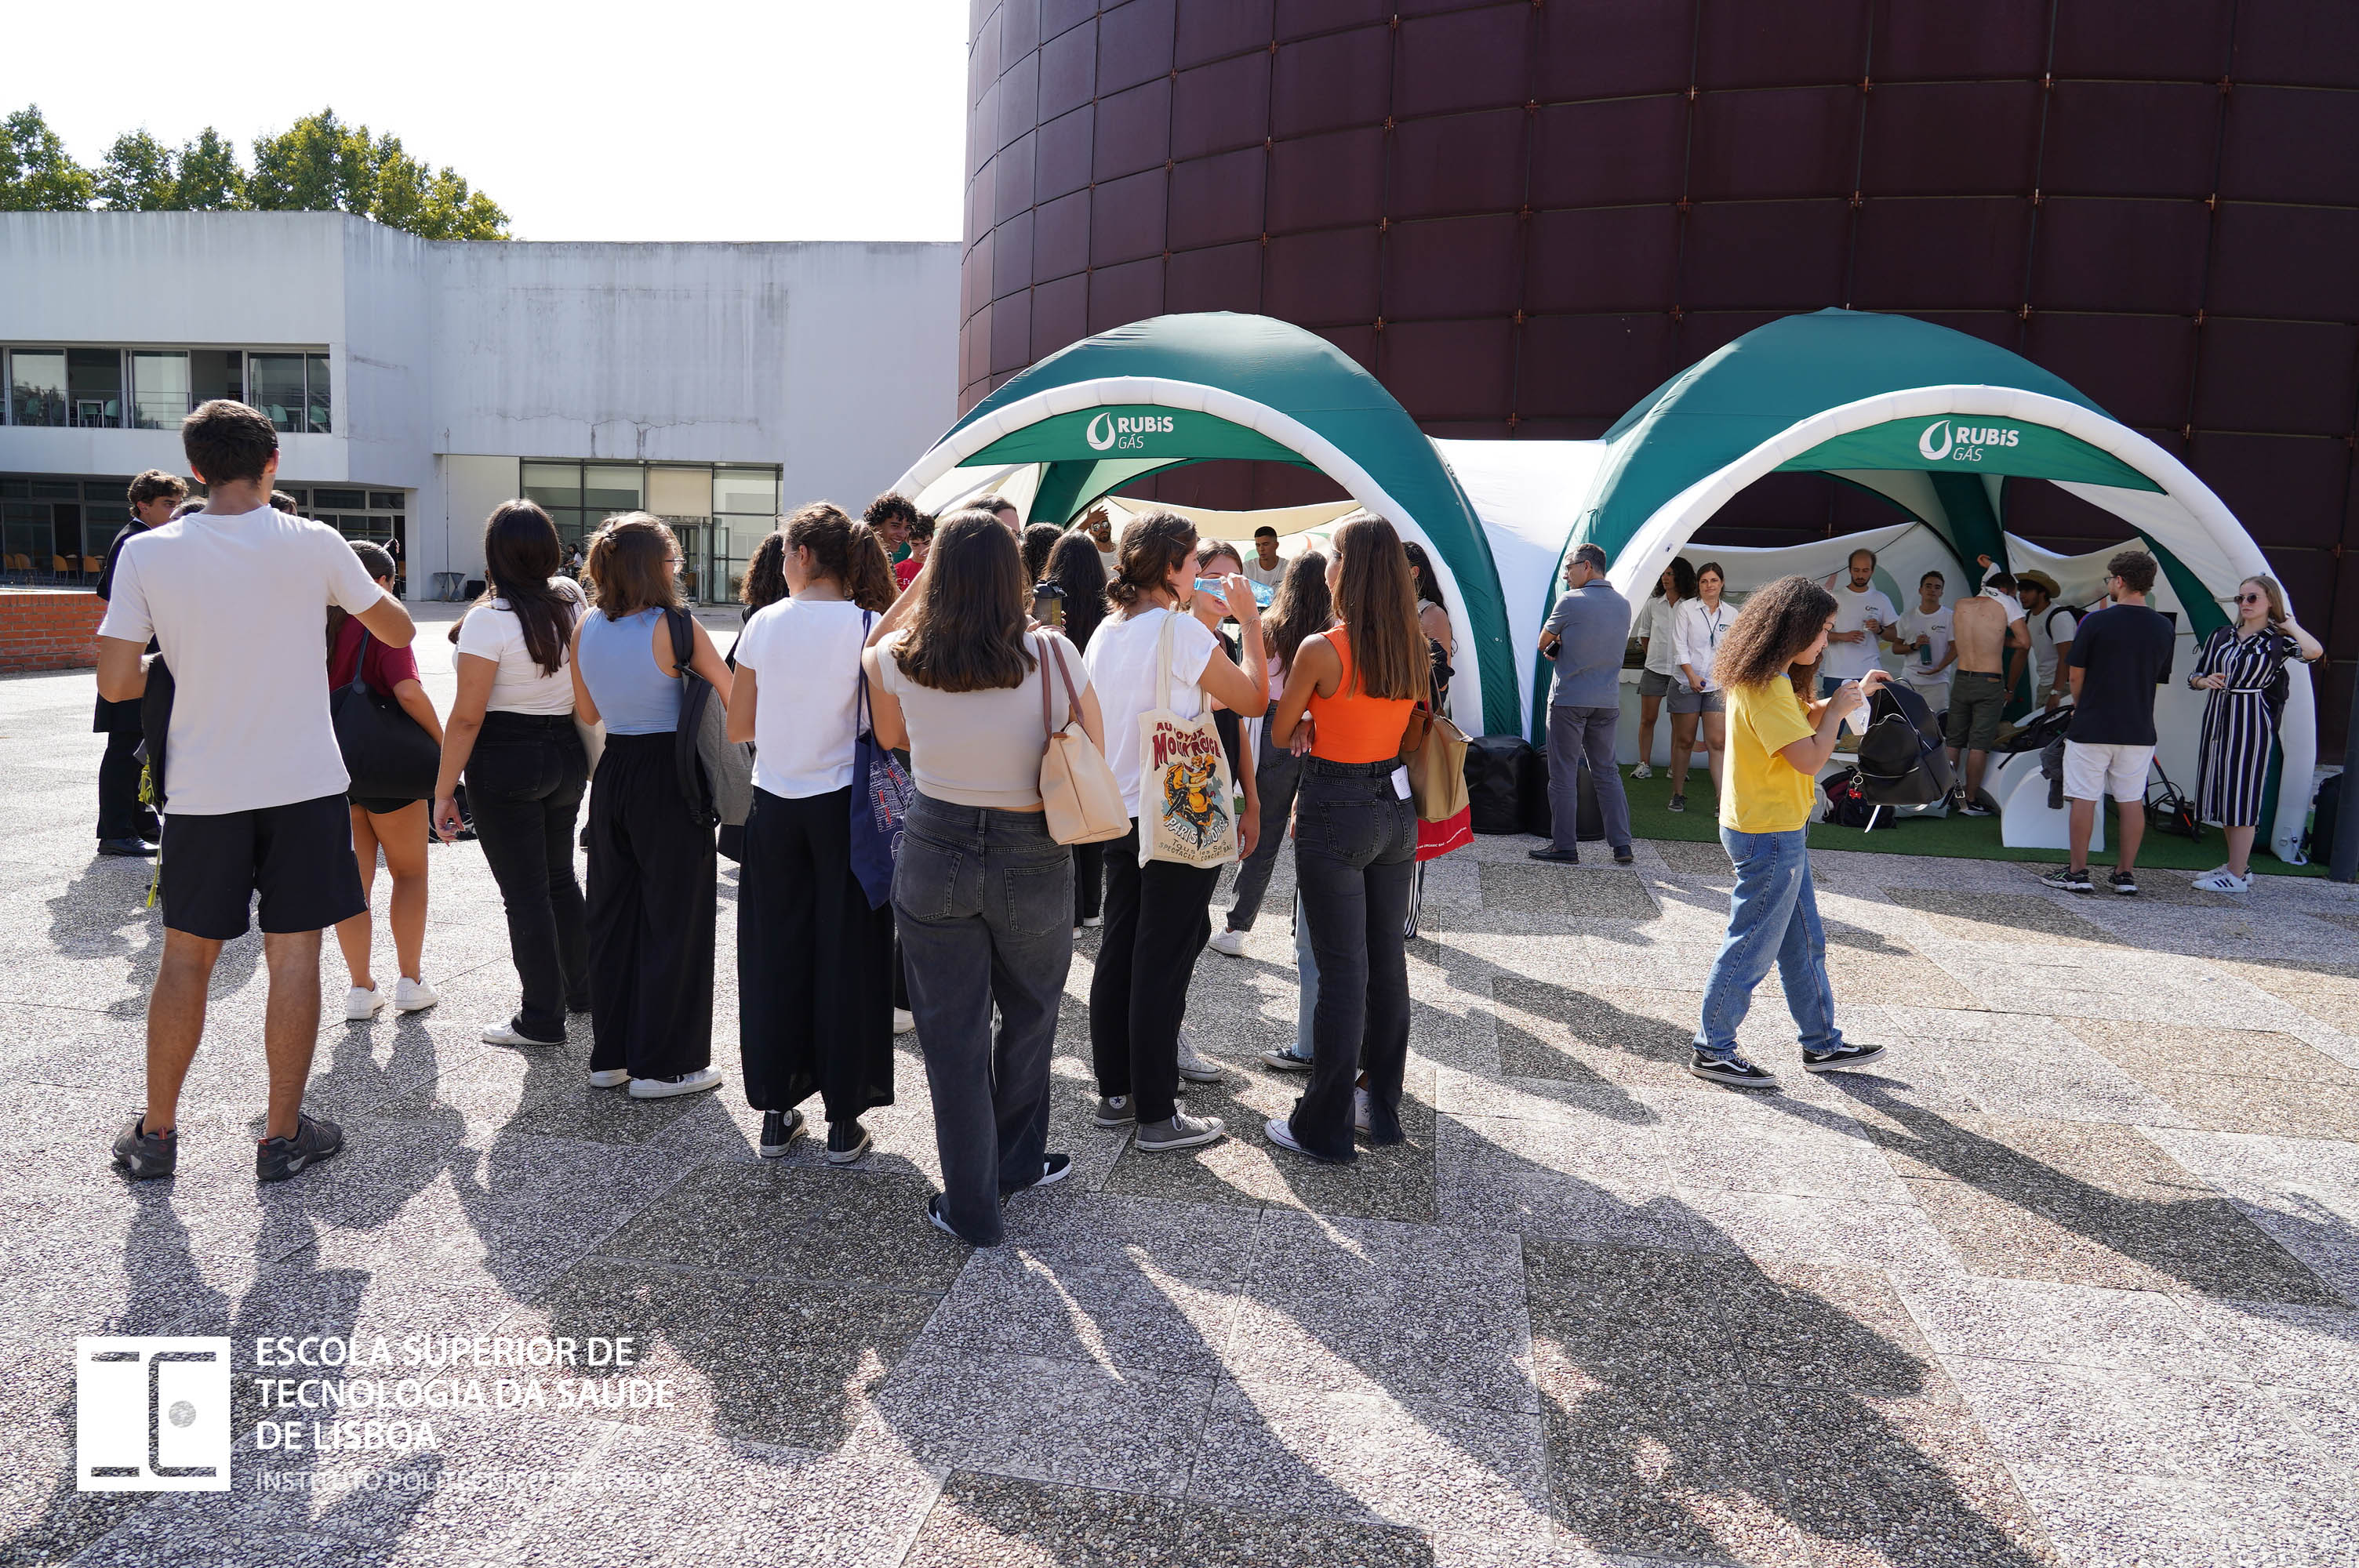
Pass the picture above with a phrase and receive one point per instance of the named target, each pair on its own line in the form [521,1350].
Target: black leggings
[524,780]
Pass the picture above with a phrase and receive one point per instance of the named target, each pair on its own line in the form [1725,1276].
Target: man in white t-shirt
[235,597]
[1924,643]
[1266,566]
[1101,533]
[1864,616]
[2052,626]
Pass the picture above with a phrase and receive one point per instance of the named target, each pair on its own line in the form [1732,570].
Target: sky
[683,120]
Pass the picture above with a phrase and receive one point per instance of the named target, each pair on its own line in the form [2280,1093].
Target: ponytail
[847,552]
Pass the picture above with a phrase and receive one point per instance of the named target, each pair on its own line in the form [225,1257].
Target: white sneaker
[2223,880]
[904,1021]
[1231,943]
[1360,1110]
[360,1006]
[506,1034]
[686,1084]
[1091,922]
[1642,772]
[413,996]
[609,1077]
[1193,1066]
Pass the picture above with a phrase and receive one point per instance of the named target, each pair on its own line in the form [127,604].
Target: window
[94,388]
[275,385]
[328,500]
[753,492]
[315,394]
[160,390]
[608,490]
[216,373]
[37,387]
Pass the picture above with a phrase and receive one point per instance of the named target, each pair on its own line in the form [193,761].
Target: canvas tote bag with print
[1079,794]
[1186,812]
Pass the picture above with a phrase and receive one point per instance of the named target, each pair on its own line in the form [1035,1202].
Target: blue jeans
[1773,915]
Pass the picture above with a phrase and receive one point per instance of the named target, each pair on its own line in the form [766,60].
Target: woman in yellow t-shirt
[1777,744]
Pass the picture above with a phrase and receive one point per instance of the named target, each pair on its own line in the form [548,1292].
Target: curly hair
[1684,580]
[1151,547]
[765,573]
[846,551]
[889,508]
[1776,627]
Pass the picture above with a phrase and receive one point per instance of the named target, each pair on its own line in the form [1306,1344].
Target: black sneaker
[2070,879]
[779,1130]
[1733,1070]
[1841,1056]
[942,1223]
[1679,802]
[1623,857]
[846,1141]
[2124,884]
[275,1159]
[1561,857]
[145,1156]
[1054,1168]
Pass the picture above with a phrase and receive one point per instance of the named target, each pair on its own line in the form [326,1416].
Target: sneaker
[1975,808]
[145,1156]
[1182,1131]
[1733,1070]
[2223,880]
[1679,802]
[1228,941]
[904,1021]
[846,1141]
[1091,922]
[1555,856]
[1360,1110]
[1194,1065]
[1841,1056]
[2070,878]
[275,1159]
[129,848]
[1117,1111]
[413,996]
[779,1130]
[1625,856]
[1054,1168]
[1283,1058]
[2123,883]
[679,1084]
[934,1213]
[509,1034]
[1642,772]
[609,1077]
[360,1006]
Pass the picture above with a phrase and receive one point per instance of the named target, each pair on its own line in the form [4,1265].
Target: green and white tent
[1931,419]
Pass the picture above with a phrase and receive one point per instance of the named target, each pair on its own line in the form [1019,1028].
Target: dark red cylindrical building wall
[1522,217]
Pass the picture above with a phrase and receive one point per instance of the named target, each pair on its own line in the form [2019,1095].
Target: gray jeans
[1277,773]
[1572,732]
[984,902]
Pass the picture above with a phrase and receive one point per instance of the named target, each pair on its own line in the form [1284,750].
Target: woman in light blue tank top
[652,903]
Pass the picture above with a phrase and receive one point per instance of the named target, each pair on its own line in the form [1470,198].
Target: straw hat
[2040,580]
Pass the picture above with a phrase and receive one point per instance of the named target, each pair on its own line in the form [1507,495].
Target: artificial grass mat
[1966,837]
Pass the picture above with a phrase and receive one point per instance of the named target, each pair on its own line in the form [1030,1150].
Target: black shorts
[378,806]
[297,857]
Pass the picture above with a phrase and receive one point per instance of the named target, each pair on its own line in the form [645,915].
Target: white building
[417,384]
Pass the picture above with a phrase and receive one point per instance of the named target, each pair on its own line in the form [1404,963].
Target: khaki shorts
[1685,698]
[1653,683]
[1975,699]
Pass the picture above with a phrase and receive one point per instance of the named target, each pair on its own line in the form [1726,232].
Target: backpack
[1847,803]
[2169,811]
[716,775]
[2317,845]
[1902,761]
[1495,766]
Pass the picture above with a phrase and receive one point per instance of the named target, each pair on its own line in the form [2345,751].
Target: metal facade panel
[1441,267]
[2298,376]
[1457,164]
[1749,255]
[2102,255]
[1773,43]
[1133,132]
[1222,278]
[1591,155]
[1322,182]
[1613,48]
[1603,258]
[2289,145]
[1218,107]
[1209,30]
[1126,219]
[2139,369]
[1216,199]
[1796,141]
[1950,138]
[1916,42]
[1935,252]
[1464,59]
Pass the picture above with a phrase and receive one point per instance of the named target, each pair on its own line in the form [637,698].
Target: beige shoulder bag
[1078,792]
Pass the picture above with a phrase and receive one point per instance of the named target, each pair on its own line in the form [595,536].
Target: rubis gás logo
[1111,432]
[1965,443]
[151,1413]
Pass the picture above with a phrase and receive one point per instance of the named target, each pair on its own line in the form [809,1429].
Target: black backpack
[1495,769]
[1901,758]
[2317,845]
[1847,803]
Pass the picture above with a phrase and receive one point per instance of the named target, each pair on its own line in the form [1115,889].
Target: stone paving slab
[2069,1276]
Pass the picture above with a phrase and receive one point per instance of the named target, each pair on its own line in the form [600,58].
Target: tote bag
[1079,794]
[1187,813]
[1436,771]
[881,793]
[386,751]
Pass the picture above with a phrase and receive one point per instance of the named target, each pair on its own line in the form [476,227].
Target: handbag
[715,774]
[881,793]
[1187,808]
[1435,839]
[1079,794]
[1437,770]
[386,752]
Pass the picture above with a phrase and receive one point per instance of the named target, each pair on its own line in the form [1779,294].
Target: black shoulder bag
[386,752]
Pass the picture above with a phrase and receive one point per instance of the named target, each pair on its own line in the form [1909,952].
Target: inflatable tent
[1930,419]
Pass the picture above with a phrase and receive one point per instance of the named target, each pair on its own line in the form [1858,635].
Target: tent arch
[1298,392]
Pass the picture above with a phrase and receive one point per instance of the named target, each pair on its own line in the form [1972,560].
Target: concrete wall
[836,360]
[470,488]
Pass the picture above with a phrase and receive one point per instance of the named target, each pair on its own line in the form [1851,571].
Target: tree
[433,206]
[210,180]
[35,174]
[139,175]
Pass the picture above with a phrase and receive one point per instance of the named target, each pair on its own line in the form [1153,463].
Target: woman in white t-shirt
[814,960]
[1659,637]
[1155,919]
[512,735]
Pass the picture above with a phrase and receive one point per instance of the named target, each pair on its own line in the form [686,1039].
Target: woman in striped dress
[2236,666]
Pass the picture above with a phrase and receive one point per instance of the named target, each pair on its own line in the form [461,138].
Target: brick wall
[48,629]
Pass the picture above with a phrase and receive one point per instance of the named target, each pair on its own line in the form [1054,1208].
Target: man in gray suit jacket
[1585,635]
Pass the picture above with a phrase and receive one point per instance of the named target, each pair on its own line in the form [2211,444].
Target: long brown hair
[766,572]
[846,551]
[967,633]
[1151,547]
[1776,627]
[1377,600]
[521,554]
[1074,566]
[630,566]
[1301,607]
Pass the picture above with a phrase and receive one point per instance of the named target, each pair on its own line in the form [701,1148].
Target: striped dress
[2238,727]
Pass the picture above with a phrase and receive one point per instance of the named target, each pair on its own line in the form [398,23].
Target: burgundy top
[386,667]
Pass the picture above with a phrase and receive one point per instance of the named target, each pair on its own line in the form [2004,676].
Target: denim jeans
[1277,774]
[984,902]
[524,780]
[1772,917]
[1355,854]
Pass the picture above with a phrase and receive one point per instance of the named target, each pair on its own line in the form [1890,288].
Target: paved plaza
[2067,1278]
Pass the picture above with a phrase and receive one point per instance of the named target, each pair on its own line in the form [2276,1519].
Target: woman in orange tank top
[1356,841]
